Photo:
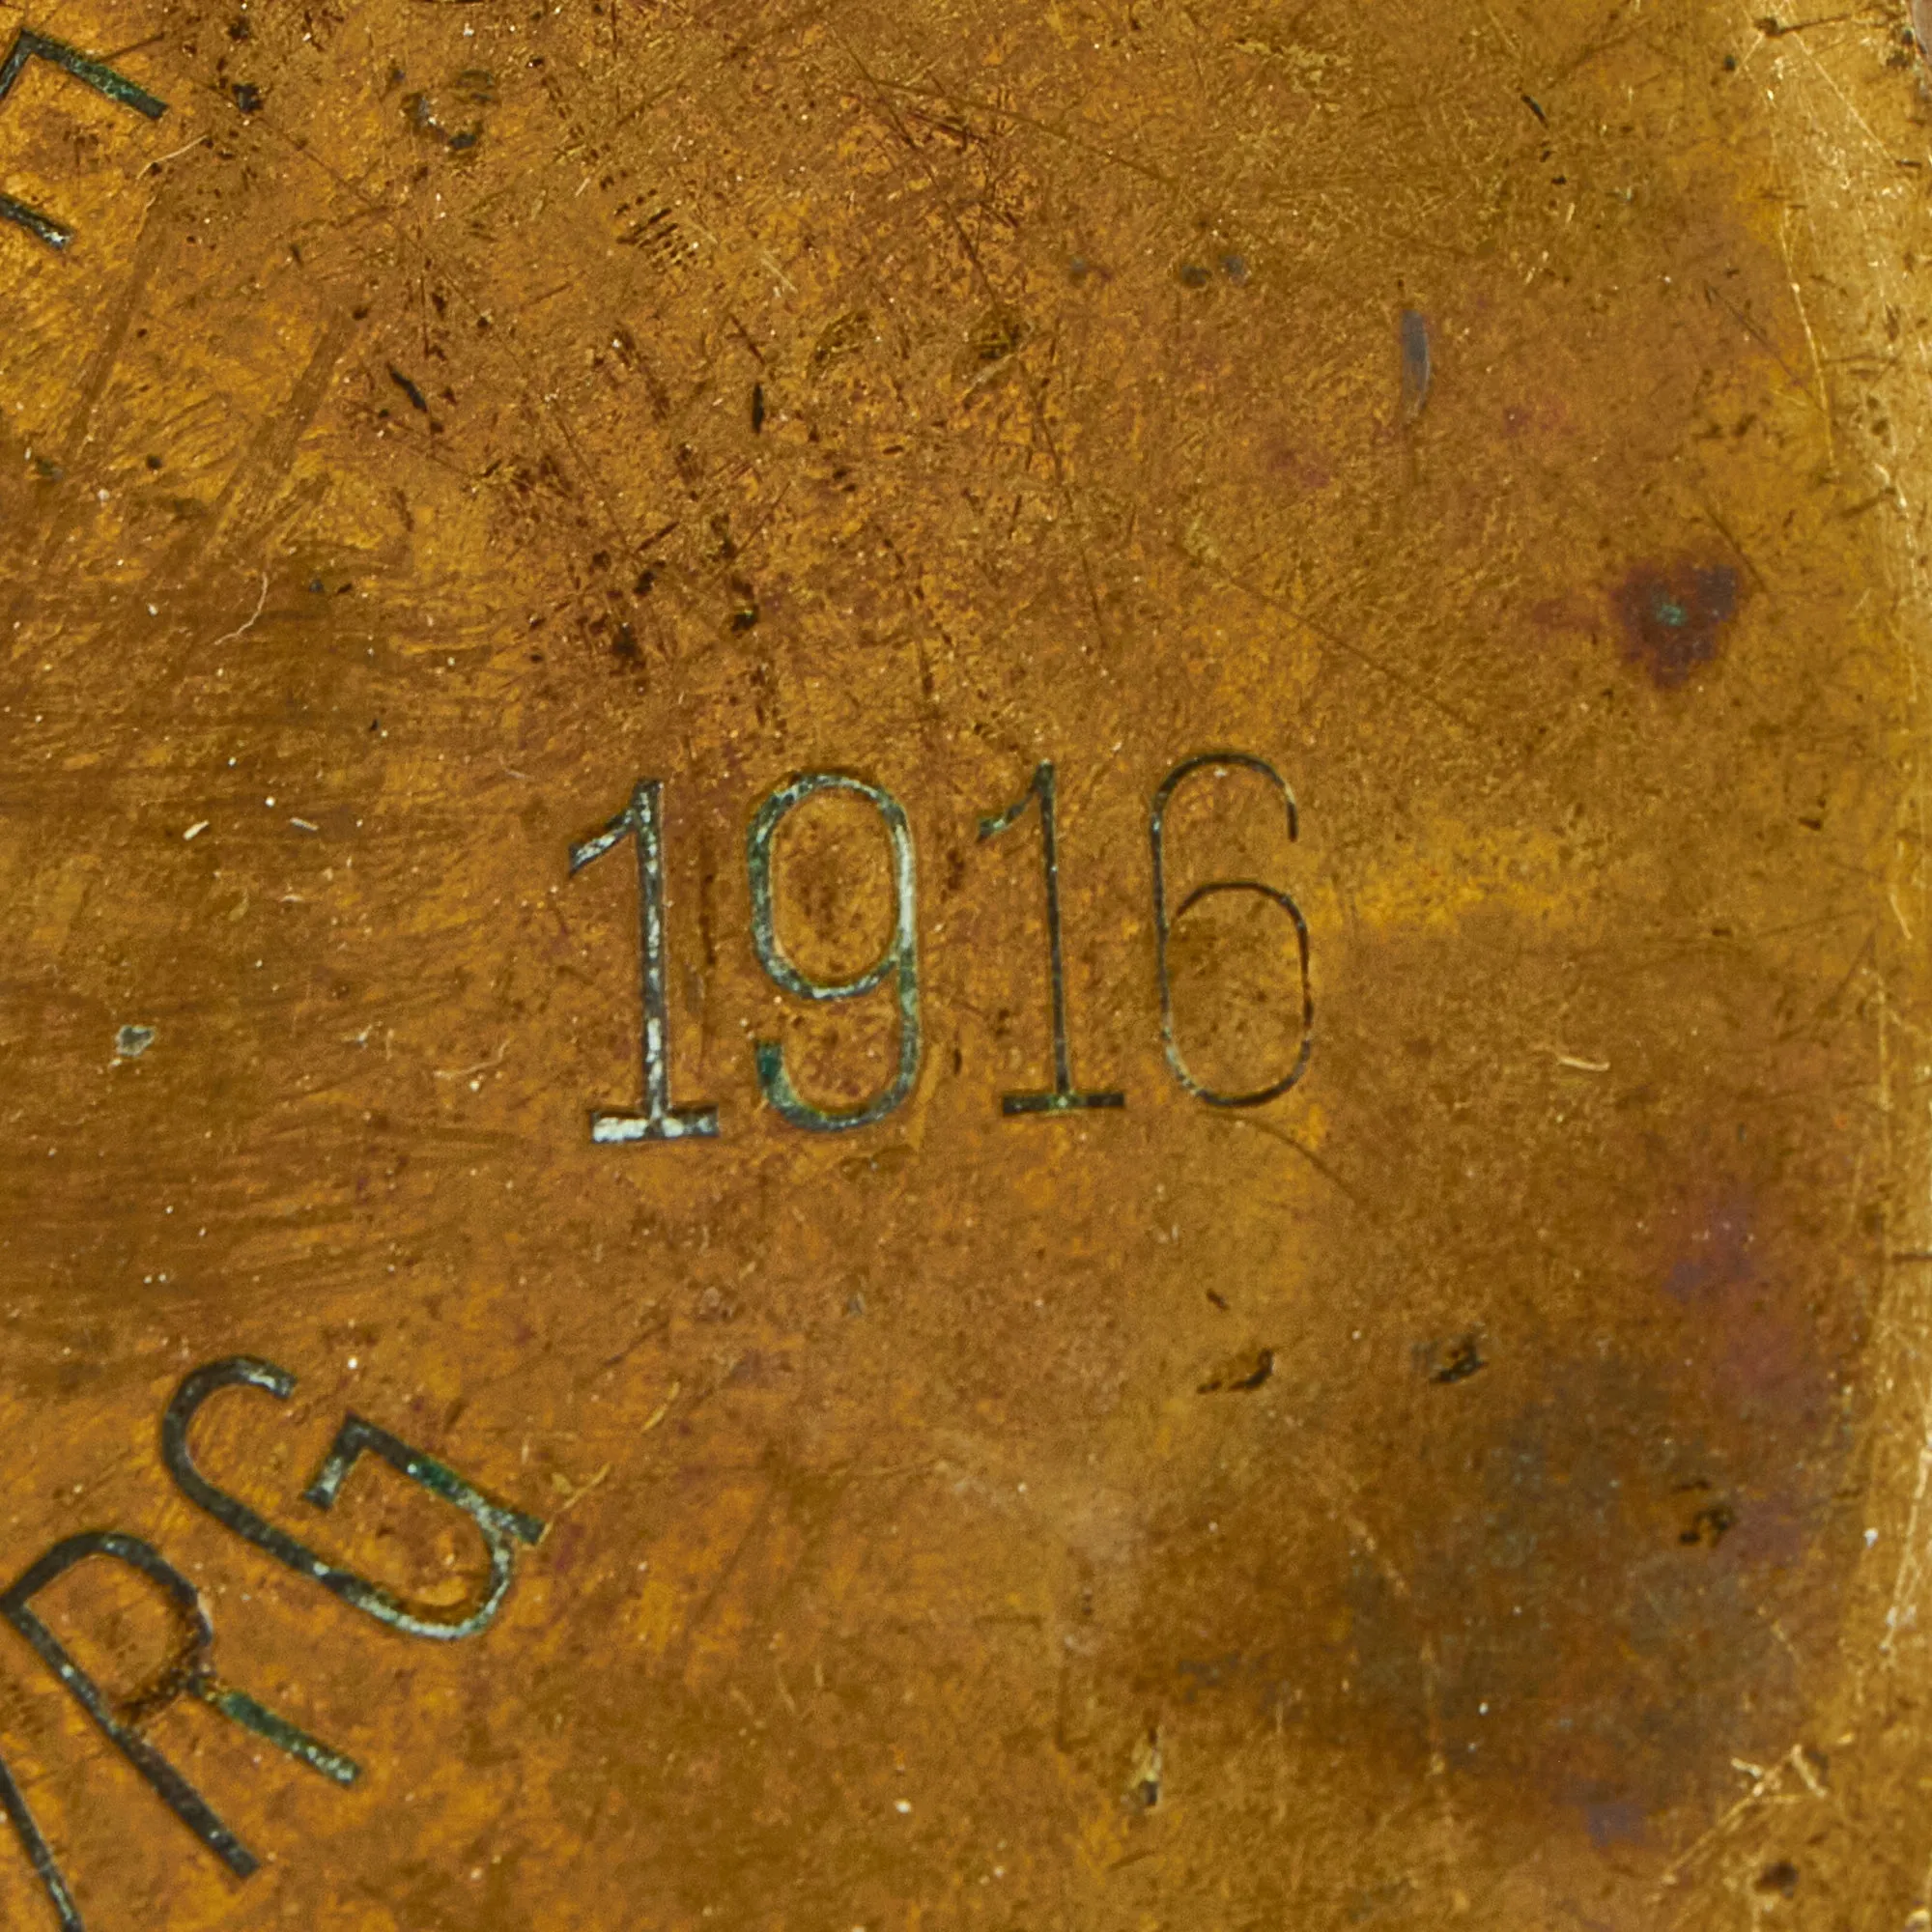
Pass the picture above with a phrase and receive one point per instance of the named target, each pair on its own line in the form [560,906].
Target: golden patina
[985,947]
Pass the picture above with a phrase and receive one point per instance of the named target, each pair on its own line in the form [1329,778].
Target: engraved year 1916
[896,970]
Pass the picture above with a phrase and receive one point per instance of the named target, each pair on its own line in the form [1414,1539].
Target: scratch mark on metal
[246,625]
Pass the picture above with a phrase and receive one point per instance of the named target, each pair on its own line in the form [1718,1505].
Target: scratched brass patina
[962,966]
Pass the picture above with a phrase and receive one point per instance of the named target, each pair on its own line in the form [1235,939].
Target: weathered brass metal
[1217,1215]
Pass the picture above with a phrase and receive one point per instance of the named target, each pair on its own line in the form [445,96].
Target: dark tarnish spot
[843,335]
[745,615]
[992,341]
[995,335]
[1672,618]
[1457,1362]
[1760,1357]
[564,1549]
[1540,1624]
[1416,372]
[1708,1525]
[409,388]
[1614,1822]
[419,111]
[1243,1373]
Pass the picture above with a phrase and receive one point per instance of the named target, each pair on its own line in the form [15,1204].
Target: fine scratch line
[174,154]
[248,623]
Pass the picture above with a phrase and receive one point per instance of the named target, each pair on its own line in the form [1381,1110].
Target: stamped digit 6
[1164,925]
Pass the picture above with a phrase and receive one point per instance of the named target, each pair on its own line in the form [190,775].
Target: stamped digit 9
[898,962]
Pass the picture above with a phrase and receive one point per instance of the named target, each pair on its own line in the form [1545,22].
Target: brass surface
[1484,1482]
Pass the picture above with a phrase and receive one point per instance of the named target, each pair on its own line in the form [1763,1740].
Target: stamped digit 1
[1163,927]
[898,962]
[1062,1100]
[642,819]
